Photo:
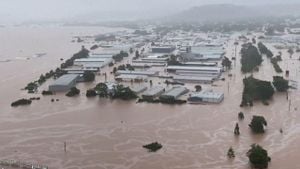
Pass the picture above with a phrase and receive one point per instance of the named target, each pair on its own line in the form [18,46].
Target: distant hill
[229,12]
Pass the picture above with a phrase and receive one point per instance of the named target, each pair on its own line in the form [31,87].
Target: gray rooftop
[208,94]
[65,79]
[176,92]
[153,91]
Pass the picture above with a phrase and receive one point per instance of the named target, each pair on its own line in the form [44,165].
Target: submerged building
[207,96]
[64,83]
[174,93]
[163,49]
[153,92]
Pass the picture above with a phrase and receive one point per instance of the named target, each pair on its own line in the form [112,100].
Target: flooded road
[106,134]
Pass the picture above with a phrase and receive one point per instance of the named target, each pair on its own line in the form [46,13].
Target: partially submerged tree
[255,89]
[73,92]
[88,76]
[257,124]
[198,88]
[153,147]
[258,157]
[280,84]
[101,89]
[251,58]
[237,129]
[230,153]
[241,116]
[226,63]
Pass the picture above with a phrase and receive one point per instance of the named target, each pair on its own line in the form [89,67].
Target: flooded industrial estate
[109,134]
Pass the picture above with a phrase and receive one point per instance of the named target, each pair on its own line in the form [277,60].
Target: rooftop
[148,73]
[91,60]
[176,92]
[207,94]
[153,90]
[65,79]
[201,68]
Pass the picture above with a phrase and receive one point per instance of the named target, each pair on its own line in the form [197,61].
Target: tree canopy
[280,84]
[258,157]
[250,58]
[257,124]
[88,76]
[264,50]
[255,89]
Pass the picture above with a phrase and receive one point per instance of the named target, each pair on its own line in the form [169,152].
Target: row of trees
[264,50]
[118,92]
[123,67]
[255,89]
[120,56]
[33,86]
[251,58]
[83,53]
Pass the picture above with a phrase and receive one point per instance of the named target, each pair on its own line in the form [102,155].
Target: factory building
[174,93]
[163,49]
[64,83]
[153,92]
[207,96]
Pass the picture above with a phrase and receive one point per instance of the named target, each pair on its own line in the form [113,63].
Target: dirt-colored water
[107,134]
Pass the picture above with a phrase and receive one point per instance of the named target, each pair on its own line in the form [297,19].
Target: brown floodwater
[106,134]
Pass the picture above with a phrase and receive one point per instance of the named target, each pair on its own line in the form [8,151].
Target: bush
[91,93]
[73,92]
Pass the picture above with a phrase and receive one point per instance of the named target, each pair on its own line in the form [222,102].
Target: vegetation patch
[280,84]
[153,147]
[264,50]
[258,157]
[124,93]
[21,102]
[120,56]
[250,58]
[44,92]
[91,93]
[257,124]
[277,68]
[73,92]
[88,76]
[255,89]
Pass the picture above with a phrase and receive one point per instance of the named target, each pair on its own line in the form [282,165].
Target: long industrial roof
[201,68]
[65,79]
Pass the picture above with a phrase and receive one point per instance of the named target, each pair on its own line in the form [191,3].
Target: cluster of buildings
[198,61]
